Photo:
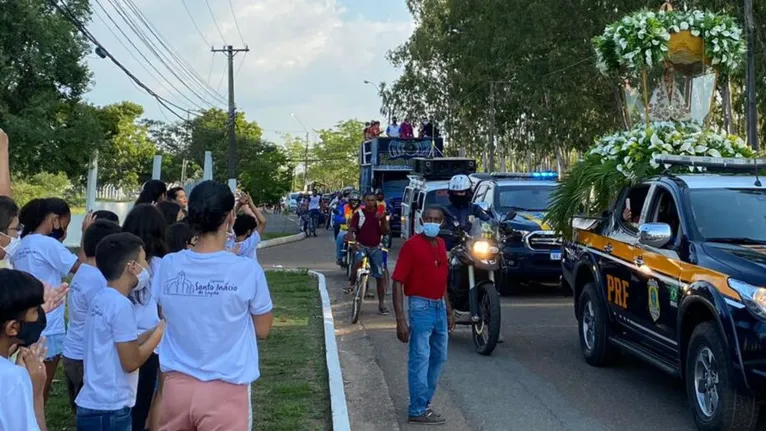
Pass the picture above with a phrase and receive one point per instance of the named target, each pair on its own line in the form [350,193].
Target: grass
[292,392]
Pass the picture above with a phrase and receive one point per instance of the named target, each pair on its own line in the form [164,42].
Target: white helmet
[459,183]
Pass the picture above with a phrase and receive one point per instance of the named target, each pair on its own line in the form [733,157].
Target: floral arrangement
[628,157]
[643,144]
[640,40]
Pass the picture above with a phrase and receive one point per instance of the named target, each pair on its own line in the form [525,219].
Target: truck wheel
[714,400]
[594,329]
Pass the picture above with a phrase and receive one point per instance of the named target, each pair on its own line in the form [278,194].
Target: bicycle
[362,281]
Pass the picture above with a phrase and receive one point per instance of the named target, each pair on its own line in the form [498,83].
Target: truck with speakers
[386,163]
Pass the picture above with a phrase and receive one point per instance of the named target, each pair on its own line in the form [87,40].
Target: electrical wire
[191,17]
[212,15]
[190,76]
[241,62]
[133,26]
[64,10]
[236,24]
[146,60]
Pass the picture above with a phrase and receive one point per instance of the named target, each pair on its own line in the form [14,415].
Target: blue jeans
[339,244]
[102,420]
[428,350]
[374,258]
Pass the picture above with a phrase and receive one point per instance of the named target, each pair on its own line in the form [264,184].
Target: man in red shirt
[367,228]
[421,274]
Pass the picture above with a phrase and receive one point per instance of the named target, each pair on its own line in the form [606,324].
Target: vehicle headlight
[753,296]
[483,248]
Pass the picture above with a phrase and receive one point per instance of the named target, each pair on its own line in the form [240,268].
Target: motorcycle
[472,291]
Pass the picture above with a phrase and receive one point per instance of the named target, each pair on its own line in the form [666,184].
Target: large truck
[385,163]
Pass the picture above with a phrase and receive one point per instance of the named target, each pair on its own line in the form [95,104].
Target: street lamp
[380,93]
[306,162]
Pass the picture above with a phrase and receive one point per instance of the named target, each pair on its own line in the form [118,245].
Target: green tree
[42,79]
[127,158]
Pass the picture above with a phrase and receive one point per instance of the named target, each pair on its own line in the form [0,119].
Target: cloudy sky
[309,57]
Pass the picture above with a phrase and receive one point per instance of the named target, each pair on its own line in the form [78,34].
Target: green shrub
[43,185]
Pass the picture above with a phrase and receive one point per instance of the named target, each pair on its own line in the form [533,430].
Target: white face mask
[144,278]
[11,248]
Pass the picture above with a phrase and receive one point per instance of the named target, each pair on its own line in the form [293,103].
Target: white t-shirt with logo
[17,406]
[106,384]
[147,316]
[49,261]
[208,300]
[86,283]
[314,202]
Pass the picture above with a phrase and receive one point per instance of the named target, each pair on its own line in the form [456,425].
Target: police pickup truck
[532,250]
[675,274]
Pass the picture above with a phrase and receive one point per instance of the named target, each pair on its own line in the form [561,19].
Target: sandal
[383,311]
[349,290]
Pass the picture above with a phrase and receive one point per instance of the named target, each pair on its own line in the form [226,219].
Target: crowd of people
[403,130]
[141,347]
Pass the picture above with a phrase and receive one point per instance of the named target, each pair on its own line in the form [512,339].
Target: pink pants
[189,404]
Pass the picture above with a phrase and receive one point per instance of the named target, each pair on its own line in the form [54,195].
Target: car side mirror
[655,235]
[510,215]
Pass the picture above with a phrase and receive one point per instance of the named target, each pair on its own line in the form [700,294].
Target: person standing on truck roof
[405,130]
[392,131]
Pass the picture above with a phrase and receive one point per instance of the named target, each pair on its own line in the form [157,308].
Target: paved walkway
[536,380]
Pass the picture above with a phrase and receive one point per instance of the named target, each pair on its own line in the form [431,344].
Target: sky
[307,57]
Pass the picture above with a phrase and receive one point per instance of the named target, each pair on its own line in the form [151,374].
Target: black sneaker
[427,418]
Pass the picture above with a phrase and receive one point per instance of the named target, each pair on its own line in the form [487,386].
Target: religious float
[685,56]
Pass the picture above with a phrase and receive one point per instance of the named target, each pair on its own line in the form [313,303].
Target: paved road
[536,380]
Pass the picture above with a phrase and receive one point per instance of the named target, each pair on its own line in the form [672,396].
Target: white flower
[684,25]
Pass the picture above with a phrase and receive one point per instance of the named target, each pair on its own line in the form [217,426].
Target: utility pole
[491,144]
[230,52]
[752,108]
[306,164]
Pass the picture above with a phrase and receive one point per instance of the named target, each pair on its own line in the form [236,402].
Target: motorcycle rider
[460,207]
[345,212]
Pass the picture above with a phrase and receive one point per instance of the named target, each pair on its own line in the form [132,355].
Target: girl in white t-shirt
[146,222]
[42,254]
[216,303]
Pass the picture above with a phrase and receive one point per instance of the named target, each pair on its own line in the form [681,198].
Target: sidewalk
[374,362]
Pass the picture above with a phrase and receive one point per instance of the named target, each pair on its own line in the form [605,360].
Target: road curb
[281,240]
[338,405]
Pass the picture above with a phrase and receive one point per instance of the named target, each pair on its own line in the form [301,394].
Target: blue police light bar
[727,163]
[526,175]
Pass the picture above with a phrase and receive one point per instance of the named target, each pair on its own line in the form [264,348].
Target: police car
[532,252]
[675,274]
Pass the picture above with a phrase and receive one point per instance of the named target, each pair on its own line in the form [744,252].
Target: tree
[334,160]
[548,98]
[42,77]
[127,158]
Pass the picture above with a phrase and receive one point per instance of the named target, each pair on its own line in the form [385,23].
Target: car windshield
[729,214]
[437,197]
[530,198]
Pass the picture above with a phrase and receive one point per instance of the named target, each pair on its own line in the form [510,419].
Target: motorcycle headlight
[483,248]
[754,297]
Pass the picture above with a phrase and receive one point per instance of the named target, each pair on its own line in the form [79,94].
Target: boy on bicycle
[367,228]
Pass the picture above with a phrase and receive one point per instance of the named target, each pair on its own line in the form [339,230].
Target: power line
[150,63]
[185,67]
[212,15]
[64,10]
[191,17]
[134,27]
[236,23]
[241,62]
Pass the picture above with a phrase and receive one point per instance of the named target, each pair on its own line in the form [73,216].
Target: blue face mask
[431,230]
